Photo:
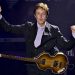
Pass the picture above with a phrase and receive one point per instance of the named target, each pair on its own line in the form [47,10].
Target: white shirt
[38,38]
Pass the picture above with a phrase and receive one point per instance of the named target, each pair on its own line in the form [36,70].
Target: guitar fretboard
[17,57]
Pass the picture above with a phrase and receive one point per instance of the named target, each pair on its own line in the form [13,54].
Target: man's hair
[43,6]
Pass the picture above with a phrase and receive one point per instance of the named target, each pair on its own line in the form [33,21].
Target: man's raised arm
[18,29]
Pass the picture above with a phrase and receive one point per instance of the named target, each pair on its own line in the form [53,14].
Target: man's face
[40,16]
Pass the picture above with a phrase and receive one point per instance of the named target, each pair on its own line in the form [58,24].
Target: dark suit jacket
[51,38]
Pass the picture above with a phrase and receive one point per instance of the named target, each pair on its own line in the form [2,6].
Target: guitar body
[57,63]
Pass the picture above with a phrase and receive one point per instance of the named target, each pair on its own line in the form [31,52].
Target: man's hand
[0,13]
[73,30]
[0,9]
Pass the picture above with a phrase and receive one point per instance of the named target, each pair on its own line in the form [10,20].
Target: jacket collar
[47,29]
[46,35]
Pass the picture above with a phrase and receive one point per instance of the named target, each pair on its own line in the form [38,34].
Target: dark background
[61,13]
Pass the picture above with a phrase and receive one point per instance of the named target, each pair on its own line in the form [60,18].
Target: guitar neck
[17,57]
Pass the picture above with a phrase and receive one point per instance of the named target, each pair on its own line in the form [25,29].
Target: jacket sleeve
[63,42]
[18,29]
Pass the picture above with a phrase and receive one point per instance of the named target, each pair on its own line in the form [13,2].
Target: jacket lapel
[47,35]
[33,32]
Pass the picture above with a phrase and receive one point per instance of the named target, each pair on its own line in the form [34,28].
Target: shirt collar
[43,27]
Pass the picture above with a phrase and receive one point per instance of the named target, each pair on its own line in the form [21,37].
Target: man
[40,36]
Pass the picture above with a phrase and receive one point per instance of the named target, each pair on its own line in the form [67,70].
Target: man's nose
[41,16]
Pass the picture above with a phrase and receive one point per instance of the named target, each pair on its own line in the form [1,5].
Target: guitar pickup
[43,61]
[55,64]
